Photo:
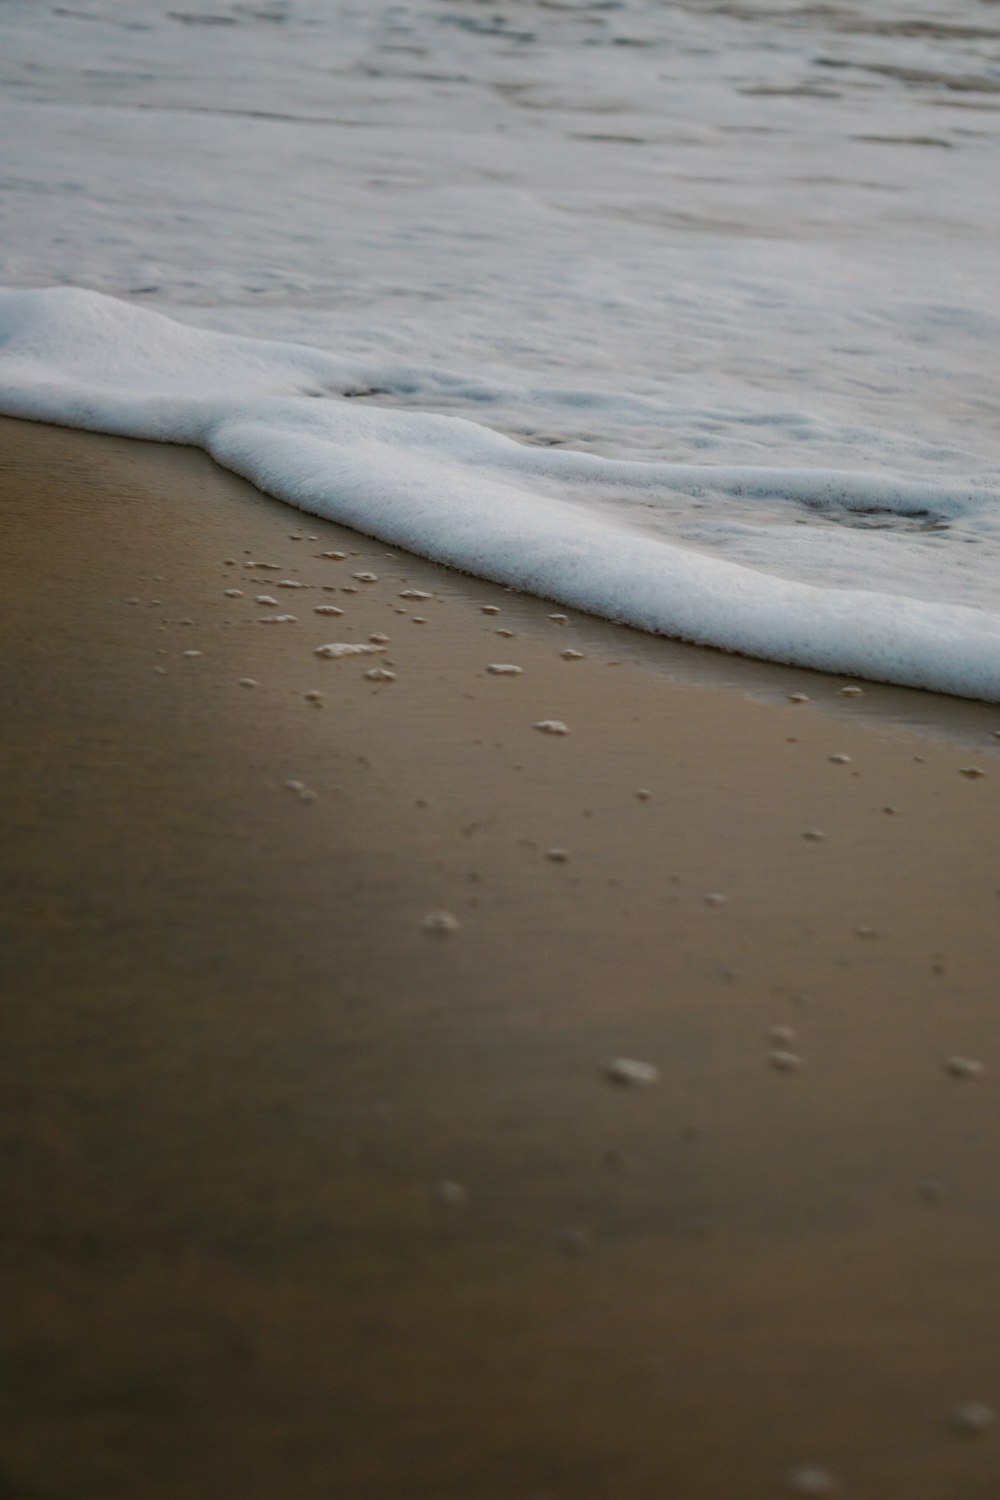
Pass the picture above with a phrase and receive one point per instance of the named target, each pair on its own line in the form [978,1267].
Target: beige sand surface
[237,1071]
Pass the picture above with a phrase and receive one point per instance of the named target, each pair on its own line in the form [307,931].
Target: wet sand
[303,1200]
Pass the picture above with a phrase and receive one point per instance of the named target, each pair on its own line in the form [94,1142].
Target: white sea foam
[541,519]
[675,311]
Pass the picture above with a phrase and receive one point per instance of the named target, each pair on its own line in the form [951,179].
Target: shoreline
[762,582]
[240,1071]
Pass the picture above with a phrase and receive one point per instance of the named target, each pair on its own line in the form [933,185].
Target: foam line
[461,494]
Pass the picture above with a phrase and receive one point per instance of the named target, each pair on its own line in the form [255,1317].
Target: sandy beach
[303,1199]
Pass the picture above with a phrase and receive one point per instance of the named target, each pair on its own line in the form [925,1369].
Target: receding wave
[635,542]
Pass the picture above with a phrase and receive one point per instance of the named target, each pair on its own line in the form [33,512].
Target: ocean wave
[616,538]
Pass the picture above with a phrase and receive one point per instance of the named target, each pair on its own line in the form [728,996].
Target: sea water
[681,313]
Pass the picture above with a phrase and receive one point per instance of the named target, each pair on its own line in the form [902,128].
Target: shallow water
[750,235]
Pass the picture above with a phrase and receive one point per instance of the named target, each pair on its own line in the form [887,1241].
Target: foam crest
[634,542]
